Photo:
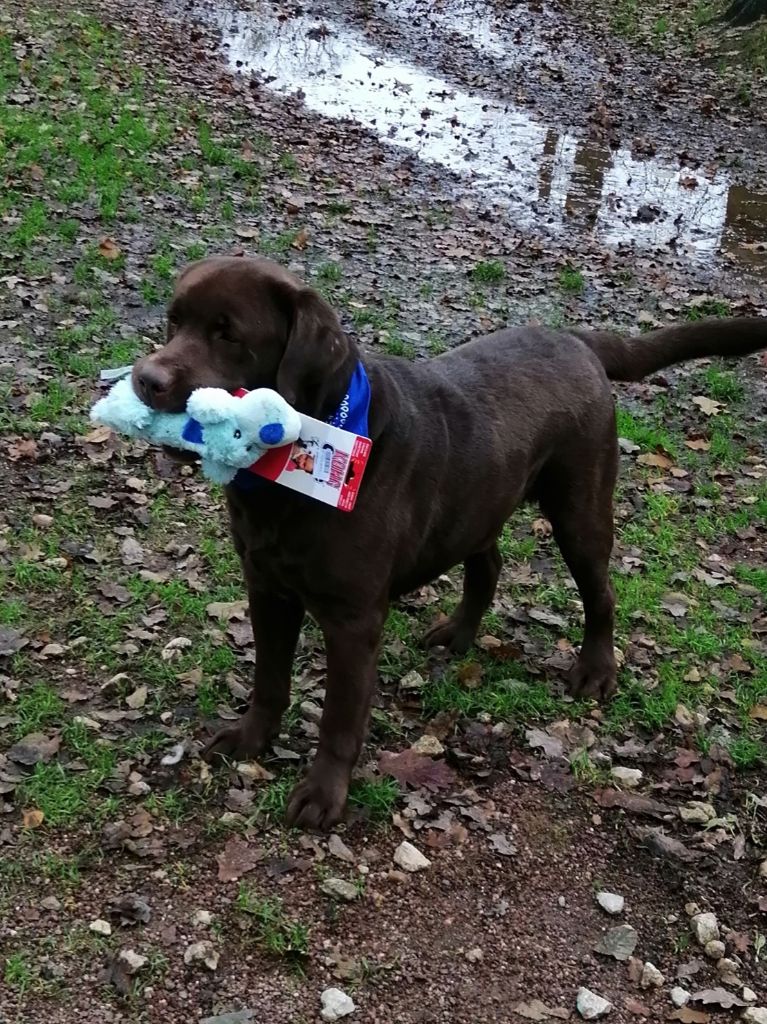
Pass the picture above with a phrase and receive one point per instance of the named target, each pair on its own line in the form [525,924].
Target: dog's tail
[634,358]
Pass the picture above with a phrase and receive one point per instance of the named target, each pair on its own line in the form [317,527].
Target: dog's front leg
[276,623]
[352,653]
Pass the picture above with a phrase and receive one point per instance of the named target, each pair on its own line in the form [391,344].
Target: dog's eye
[223,329]
[238,434]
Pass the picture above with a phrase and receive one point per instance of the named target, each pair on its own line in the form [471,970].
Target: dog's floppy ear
[316,351]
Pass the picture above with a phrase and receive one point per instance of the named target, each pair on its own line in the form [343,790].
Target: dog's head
[235,322]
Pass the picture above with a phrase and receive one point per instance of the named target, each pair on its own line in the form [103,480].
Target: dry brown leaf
[413,770]
[301,240]
[708,406]
[698,444]
[237,858]
[32,818]
[689,1016]
[655,459]
[470,675]
[758,712]
[109,249]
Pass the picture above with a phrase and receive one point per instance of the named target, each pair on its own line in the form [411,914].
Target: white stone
[407,857]
[412,681]
[202,952]
[100,927]
[429,746]
[202,918]
[611,902]
[651,976]
[755,1015]
[340,889]
[131,960]
[763,869]
[705,927]
[748,994]
[715,949]
[590,1005]
[697,813]
[474,955]
[628,777]
[336,1004]
[338,848]
[679,996]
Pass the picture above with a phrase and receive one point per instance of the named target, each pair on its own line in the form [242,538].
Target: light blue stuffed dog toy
[228,433]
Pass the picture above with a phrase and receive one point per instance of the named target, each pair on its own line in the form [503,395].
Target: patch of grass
[723,385]
[275,931]
[508,697]
[19,973]
[571,280]
[747,751]
[37,708]
[488,272]
[393,345]
[12,612]
[377,797]
[329,272]
[708,307]
[648,434]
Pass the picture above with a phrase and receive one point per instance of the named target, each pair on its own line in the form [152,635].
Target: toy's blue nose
[272,433]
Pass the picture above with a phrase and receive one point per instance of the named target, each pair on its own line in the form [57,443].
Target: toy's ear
[211,405]
[315,354]
[122,409]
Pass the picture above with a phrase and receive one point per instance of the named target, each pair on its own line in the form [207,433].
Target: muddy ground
[437,170]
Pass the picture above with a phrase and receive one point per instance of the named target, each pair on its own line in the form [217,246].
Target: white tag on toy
[325,463]
[109,376]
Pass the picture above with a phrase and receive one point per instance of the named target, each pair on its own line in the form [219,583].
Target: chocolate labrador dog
[459,442]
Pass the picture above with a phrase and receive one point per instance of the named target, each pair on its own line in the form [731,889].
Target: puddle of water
[500,153]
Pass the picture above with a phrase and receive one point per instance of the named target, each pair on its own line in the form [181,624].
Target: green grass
[571,280]
[488,272]
[19,973]
[37,708]
[376,797]
[274,931]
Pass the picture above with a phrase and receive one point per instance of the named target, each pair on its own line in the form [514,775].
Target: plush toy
[229,433]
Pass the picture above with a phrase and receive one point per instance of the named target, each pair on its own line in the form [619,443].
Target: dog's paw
[594,677]
[247,739]
[318,802]
[452,633]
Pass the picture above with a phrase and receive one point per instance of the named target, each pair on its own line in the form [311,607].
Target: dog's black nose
[153,382]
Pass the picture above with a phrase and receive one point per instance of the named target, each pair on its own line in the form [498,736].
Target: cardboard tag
[326,463]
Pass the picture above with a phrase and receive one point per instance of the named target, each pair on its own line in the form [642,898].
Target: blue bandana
[351,415]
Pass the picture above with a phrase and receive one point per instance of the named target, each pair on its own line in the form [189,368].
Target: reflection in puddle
[544,177]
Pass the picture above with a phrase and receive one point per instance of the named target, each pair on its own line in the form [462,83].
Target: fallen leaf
[11,641]
[707,405]
[502,844]
[32,818]
[698,444]
[675,604]
[666,846]
[758,712]
[689,1016]
[536,1010]
[237,858]
[635,802]
[227,609]
[137,699]
[413,770]
[109,249]
[552,746]
[717,997]
[655,459]
[114,591]
[470,675]
[131,551]
[301,240]
[34,749]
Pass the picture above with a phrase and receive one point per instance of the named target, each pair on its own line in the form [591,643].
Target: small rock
[755,1015]
[202,952]
[407,857]
[618,942]
[611,902]
[100,927]
[412,681]
[137,699]
[50,903]
[202,918]
[336,1004]
[131,961]
[628,777]
[474,955]
[429,746]
[339,889]
[715,949]
[691,909]
[697,813]
[728,971]
[42,520]
[748,995]
[705,927]
[338,848]
[590,1005]
[651,977]
[679,996]
[684,717]
[763,869]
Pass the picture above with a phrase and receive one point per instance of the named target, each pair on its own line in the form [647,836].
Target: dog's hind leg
[480,579]
[577,497]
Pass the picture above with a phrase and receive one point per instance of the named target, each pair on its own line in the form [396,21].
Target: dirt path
[437,170]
